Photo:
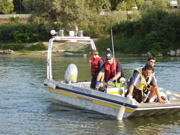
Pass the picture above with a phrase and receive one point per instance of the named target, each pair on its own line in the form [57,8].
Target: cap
[109,56]
[94,52]
[108,50]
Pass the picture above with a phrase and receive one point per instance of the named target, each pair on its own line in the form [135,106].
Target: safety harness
[144,85]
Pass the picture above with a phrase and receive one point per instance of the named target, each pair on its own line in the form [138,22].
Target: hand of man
[162,100]
[110,81]
[97,85]
[131,99]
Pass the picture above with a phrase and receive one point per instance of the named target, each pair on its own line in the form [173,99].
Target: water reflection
[71,111]
[92,122]
[155,125]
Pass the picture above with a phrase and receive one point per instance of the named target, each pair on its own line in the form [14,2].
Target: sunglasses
[152,61]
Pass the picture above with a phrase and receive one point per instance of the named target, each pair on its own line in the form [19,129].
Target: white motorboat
[111,102]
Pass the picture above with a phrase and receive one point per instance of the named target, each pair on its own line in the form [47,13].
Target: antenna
[113,51]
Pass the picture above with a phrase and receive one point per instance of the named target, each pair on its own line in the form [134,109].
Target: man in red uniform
[97,70]
[113,69]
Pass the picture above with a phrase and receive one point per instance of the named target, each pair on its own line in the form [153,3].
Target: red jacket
[110,69]
[95,66]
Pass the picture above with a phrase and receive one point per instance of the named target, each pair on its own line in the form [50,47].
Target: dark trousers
[136,95]
[93,82]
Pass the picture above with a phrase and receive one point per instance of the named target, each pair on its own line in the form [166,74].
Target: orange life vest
[110,69]
[95,66]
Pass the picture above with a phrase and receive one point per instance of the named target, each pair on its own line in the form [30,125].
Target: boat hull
[89,102]
[113,105]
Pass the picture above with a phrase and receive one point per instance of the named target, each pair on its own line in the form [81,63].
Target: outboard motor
[71,74]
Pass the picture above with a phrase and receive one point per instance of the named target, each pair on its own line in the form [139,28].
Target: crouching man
[141,82]
[113,69]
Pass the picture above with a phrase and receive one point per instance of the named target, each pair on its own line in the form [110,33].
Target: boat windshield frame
[64,38]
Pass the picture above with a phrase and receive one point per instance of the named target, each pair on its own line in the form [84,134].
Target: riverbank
[75,50]
[43,54]
[23,53]
[61,53]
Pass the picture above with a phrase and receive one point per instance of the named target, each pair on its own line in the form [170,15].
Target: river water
[26,108]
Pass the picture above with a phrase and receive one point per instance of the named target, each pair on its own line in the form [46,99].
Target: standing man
[142,82]
[113,69]
[97,70]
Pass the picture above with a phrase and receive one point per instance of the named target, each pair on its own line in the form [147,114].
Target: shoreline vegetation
[150,29]
[69,49]
[72,50]
[63,49]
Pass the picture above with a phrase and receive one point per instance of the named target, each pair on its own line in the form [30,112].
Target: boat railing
[61,37]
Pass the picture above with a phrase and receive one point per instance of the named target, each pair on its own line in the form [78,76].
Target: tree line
[8,6]
[153,27]
[157,31]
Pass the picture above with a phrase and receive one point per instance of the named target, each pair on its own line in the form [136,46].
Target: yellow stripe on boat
[129,111]
[105,104]
[112,106]
[94,101]
[115,92]
[63,93]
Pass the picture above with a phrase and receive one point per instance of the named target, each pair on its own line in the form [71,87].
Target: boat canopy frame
[63,38]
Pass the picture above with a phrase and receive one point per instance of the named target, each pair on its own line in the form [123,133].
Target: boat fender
[71,74]
[121,113]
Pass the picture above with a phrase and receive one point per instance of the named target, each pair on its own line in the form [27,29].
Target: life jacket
[90,61]
[110,70]
[143,86]
[95,66]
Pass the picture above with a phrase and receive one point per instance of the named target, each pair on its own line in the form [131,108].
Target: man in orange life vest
[97,70]
[113,69]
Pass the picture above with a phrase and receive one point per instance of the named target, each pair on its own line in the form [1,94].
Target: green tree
[18,5]
[114,3]
[6,6]
[150,5]
[65,14]
[130,4]
[122,4]
[139,3]
[178,3]
[157,31]
[146,6]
